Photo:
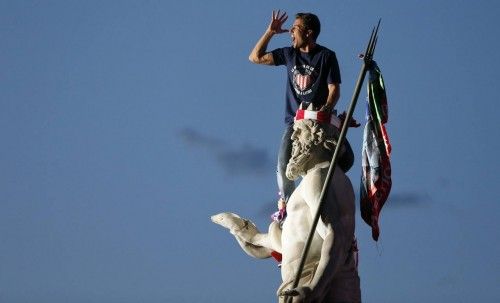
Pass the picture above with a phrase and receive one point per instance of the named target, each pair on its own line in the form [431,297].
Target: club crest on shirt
[303,78]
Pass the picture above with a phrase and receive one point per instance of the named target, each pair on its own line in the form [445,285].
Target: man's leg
[285,186]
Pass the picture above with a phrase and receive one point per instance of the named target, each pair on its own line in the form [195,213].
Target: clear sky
[125,125]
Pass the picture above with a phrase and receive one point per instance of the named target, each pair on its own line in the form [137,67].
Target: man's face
[298,34]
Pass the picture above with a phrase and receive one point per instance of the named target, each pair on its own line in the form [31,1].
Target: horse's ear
[310,107]
[302,105]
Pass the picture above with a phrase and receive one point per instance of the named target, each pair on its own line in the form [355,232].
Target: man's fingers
[283,17]
[277,15]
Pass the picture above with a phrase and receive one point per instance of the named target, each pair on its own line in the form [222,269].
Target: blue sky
[125,125]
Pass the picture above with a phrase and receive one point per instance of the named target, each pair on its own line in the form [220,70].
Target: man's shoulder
[284,49]
[288,50]
[282,55]
[325,50]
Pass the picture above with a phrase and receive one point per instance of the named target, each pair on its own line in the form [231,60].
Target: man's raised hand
[276,26]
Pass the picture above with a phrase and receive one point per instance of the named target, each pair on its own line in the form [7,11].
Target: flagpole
[367,60]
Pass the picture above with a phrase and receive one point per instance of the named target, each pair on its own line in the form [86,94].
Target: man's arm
[333,97]
[259,54]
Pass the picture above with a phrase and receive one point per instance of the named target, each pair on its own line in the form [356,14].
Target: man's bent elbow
[266,59]
[254,59]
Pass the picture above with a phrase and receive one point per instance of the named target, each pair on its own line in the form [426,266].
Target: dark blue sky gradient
[126,125]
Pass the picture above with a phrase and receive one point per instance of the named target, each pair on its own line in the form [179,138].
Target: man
[313,76]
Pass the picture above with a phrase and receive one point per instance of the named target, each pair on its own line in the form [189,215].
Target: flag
[376,167]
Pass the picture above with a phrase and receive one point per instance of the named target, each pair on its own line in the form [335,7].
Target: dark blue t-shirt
[308,76]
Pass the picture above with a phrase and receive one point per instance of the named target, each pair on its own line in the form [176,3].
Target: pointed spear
[367,61]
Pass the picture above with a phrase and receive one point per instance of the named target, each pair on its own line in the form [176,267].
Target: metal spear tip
[372,43]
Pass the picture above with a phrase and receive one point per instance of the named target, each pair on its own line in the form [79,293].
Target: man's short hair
[311,22]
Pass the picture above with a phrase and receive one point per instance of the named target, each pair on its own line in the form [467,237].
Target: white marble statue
[330,272]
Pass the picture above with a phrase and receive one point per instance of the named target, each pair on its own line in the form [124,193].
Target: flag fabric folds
[376,167]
